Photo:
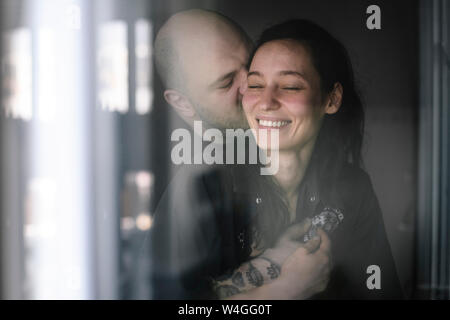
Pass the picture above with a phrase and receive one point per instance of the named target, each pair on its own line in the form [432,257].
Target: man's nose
[242,82]
[268,100]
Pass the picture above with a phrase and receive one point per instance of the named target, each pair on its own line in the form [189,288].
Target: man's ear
[334,99]
[180,103]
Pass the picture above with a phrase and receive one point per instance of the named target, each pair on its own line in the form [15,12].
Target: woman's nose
[268,100]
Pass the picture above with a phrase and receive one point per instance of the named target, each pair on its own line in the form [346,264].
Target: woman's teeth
[273,124]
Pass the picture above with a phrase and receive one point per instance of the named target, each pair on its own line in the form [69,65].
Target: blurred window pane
[17,74]
[143,51]
[112,58]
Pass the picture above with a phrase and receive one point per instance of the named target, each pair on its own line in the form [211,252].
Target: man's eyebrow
[226,76]
[253,73]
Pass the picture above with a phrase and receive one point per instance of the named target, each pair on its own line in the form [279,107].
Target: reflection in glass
[112,58]
[46,75]
[143,51]
[17,74]
[136,220]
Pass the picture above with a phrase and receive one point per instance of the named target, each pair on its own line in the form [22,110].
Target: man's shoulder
[188,178]
[194,186]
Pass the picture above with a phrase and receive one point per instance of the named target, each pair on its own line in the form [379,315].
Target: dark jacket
[203,229]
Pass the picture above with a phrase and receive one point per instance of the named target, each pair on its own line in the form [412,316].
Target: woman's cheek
[299,105]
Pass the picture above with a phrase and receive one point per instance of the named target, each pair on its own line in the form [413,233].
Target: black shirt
[202,229]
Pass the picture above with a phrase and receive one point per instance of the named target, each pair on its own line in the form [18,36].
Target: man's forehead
[216,62]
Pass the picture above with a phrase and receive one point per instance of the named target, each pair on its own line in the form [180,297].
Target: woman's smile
[265,122]
[283,93]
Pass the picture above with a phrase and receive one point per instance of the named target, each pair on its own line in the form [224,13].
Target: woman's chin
[269,147]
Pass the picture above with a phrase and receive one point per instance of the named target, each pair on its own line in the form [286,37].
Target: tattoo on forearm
[238,279]
[273,270]
[254,276]
[225,291]
[251,274]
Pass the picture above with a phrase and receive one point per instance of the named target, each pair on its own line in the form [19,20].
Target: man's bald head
[201,56]
[183,35]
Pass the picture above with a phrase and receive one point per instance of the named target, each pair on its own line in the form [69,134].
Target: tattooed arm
[248,276]
[264,268]
[303,274]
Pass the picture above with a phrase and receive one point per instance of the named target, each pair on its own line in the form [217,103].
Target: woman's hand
[306,272]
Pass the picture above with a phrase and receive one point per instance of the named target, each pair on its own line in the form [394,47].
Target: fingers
[325,244]
[313,244]
[322,286]
[297,230]
[325,248]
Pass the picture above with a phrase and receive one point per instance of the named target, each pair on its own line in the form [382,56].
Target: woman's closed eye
[292,87]
[282,87]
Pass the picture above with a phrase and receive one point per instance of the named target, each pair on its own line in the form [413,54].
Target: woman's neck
[292,168]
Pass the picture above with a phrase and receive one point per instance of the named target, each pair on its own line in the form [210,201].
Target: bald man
[201,57]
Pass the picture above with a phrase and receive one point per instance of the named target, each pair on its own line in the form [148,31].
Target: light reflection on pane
[112,58]
[136,220]
[47,82]
[56,230]
[73,14]
[143,51]
[136,201]
[144,221]
[17,74]
[40,236]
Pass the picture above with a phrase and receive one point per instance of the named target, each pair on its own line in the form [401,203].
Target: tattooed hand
[266,267]
[290,241]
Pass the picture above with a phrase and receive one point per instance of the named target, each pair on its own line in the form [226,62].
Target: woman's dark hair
[340,137]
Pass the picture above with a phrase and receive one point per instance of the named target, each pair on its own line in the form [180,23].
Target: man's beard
[222,122]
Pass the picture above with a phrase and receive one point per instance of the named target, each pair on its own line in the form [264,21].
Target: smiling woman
[284,87]
[300,83]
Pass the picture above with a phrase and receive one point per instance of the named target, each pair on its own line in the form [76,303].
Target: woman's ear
[180,103]
[334,99]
